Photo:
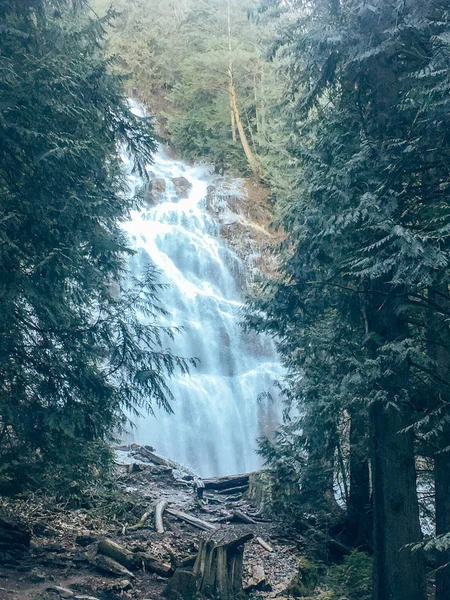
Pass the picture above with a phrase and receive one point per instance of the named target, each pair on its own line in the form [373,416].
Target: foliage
[75,361]
[360,310]
[178,55]
[351,580]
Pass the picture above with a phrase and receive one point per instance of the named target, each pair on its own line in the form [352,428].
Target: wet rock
[154,191]
[182,186]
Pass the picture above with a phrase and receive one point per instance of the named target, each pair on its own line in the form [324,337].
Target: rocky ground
[56,551]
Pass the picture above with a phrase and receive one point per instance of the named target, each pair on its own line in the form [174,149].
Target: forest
[225,299]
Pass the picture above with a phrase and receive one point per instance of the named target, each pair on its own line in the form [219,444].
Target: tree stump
[217,571]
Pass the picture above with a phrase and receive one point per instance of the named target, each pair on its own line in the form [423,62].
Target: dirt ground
[59,562]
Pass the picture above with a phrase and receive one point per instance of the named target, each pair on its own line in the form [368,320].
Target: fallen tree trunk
[191,520]
[242,518]
[130,560]
[159,511]
[228,482]
[264,544]
[147,455]
[105,564]
[233,491]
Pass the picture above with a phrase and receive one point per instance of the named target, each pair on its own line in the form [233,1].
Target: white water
[217,416]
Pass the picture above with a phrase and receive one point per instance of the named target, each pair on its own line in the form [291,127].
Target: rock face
[154,191]
[243,210]
[182,186]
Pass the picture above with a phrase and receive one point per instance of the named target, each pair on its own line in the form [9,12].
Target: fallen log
[146,454]
[264,544]
[242,518]
[232,491]
[153,565]
[159,511]
[191,520]
[117,553]
[133,560]
[227,482]
[108,565]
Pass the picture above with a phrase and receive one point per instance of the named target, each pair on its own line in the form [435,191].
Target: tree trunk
[439,351]
[442,491]
[399,573]
[359,510]
[236,121]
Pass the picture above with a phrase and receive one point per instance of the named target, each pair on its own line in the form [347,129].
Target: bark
[359,510]
[199,523]
[439,341]
[159,511]
[227,482]
[442,491]
[399,573]
[251,158]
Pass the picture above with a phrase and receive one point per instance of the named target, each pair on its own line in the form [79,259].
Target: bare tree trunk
[236,121]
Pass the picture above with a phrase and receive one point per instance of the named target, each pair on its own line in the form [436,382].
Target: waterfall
[217,416]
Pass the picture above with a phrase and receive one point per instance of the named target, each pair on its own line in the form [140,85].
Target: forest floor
[60,561]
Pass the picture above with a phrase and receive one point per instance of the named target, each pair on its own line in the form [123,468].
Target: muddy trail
[113,551]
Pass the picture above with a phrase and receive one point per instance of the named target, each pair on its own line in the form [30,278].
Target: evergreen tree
[74,358]
[361,309]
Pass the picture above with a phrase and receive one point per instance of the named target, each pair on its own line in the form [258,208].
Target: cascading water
[217,416]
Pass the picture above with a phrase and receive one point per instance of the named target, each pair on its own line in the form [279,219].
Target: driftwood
[228,482]
[159,511]
[191,520]
[217,570]
[264,544]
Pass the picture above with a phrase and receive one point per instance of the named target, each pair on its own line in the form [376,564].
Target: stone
[182,186]
[37,576]
[61,591]
[154,190]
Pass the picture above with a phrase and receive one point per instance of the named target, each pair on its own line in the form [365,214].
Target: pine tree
[361,307]
[75,361]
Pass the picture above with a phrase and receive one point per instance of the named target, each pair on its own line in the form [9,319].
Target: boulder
[154,191]
[182,186]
